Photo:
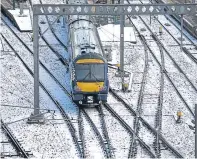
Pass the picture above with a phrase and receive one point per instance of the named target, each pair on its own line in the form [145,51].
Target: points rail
[164,71]
[14,141]
[104,146]
[129,129]
[146,124]
[65,116]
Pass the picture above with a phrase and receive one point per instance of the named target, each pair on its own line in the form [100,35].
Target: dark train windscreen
[90,72]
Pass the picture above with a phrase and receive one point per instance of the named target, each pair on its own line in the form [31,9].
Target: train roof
[90,56]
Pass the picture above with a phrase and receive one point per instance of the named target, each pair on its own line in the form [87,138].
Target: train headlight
[76,88]
[80,102]
[102,88]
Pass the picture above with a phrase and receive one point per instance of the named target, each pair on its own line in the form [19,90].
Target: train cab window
[90,72]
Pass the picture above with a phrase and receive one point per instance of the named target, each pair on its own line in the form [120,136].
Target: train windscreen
[90,72]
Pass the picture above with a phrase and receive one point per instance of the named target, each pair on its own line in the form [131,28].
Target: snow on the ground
[6,147]
[92,148]
[184,87]
[23,21]
[53,139]
[111,32]
[19,92]
[120,139]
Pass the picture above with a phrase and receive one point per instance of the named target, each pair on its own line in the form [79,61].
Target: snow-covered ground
[53,139]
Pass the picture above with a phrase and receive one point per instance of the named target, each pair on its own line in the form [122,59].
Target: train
[89,68]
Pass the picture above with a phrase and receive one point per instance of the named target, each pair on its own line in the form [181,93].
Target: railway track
[158,42]
[20,150]
[41,63]
[158,117]
[178,20]
[133,148]
[106,148]
[62,111]
[185,50]
[60,56]
[129,129]
[144,123]
[158,122]
[7,148]
[102,136]
[52,30]
[105,133]
[81,134]
[80,143]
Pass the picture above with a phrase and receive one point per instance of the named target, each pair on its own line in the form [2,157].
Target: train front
[90,81]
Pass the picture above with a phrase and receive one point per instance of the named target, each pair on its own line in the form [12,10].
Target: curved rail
[165,72]
[97,133]
[166,51]
[105,132]
[44,67]
[129,129]
[133,148]
[14,141]
[65,116]
[52,30]
[146,124]
[81,134]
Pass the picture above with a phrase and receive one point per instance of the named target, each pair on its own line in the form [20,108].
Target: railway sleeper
[8,155]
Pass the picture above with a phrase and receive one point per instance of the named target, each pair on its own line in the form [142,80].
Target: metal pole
[36,64]
[13,4]
[181,31]
[21,8]
[195,131]
[63,22]
[150,14]
[122,46]
[150,19]
[36,117]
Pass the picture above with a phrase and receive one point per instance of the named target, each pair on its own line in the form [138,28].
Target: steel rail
[129,129]
[168,77]
[178,27]
[184,49]
[52,30]
[133,147]
[65,116]
[45,68]
[158,121]
[189,55]
[145,123]
[60,57]
[97,133]
[105,132]
[167,52]
[175,63]
[81,134]
[180,70]
[14,141]
[158,135]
